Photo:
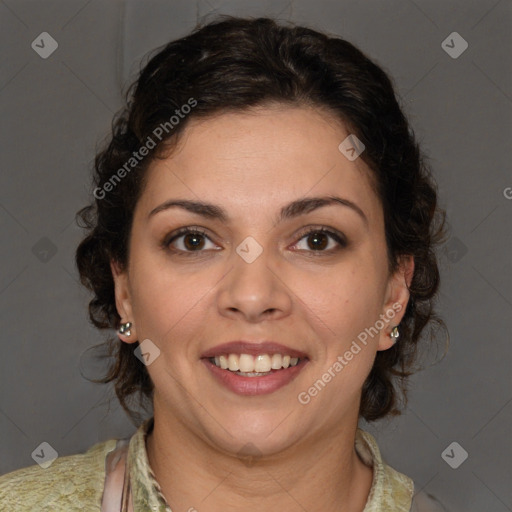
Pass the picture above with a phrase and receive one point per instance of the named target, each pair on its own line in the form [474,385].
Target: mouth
[247,365]
[254,369]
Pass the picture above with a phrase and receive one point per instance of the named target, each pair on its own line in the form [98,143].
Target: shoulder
[392,490]
[74,482]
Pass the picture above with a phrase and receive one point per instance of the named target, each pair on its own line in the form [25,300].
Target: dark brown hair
[233,64]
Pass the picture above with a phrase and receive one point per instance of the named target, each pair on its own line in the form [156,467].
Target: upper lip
[252,348]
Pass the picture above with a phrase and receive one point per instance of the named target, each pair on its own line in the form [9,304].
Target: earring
[394,333]
[125,329]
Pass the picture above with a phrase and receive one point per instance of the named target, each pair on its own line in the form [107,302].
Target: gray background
[55,111]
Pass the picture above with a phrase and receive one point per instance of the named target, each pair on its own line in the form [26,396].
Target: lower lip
[255,385]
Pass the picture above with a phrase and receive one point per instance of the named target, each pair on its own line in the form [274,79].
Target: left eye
[318,240]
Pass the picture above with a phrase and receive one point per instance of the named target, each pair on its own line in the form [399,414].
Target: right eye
[192,240]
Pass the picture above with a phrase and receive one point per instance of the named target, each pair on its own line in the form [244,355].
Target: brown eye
[318,239]
[187,240]
[193,241]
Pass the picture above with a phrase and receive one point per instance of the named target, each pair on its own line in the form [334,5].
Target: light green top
[76,482]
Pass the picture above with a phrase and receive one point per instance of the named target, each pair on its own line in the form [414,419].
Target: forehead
[271,154]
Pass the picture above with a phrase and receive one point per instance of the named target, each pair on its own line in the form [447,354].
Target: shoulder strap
[116,492]
[126,505]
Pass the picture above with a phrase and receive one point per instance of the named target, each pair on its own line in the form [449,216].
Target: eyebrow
[289,211]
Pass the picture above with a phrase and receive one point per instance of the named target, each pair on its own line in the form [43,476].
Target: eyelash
[339,238]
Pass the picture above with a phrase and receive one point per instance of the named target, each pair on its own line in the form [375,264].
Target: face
[313,278]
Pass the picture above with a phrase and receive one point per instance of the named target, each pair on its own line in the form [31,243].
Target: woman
[262,236]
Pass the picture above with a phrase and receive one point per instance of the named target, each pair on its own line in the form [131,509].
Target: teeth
[233,362]
[262,363]
[253,374]
[246,363]
[249,365]
[277,361]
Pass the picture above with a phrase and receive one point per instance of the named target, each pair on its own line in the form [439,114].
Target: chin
[255,438]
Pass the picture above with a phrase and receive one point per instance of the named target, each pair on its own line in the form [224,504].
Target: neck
[323,474]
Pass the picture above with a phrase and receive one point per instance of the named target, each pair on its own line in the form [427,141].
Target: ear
[397,297]
[123,300]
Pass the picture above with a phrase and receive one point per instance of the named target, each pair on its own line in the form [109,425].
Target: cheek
[346,298]
[167,302]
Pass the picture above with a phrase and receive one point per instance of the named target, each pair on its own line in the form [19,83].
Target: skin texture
[252,164]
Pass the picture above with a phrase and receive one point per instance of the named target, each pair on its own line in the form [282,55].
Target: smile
[245,374]
[250,365]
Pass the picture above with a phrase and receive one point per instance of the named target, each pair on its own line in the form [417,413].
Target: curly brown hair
[233,64]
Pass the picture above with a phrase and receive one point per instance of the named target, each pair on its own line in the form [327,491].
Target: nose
[255,289]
